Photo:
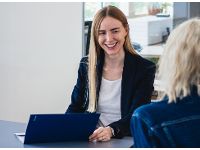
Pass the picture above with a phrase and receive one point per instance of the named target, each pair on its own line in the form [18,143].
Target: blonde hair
[94,50]
[179,66]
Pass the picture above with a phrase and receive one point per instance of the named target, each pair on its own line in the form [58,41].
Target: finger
[101,138]
[92,135]
[104,138]
[95,134]
[104,135]
[99,130]
[98,136]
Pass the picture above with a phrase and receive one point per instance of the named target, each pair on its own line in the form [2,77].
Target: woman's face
[112,36]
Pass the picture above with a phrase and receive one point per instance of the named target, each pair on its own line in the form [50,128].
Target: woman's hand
[101,134]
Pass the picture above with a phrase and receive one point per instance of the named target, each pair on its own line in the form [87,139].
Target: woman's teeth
[111,45]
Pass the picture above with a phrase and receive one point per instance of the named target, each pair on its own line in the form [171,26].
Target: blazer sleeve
[142,96]
[78,104]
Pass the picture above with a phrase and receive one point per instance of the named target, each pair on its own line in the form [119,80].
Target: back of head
[179,66]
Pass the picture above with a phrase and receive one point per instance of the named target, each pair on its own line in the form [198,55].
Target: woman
[174,121]
[114,80]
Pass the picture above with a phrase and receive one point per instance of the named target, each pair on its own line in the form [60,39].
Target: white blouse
[109,103]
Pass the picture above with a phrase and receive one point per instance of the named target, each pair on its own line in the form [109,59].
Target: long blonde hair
[179,66]
[94,50]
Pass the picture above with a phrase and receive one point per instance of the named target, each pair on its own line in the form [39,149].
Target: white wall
[40,49]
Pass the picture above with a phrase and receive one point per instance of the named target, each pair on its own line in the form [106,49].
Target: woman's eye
[102,33]
[115,31]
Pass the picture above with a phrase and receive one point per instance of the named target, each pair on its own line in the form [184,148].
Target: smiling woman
[113,80]
[111,36]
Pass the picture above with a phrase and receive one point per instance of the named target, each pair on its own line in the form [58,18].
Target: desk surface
[9,140]
[152,51]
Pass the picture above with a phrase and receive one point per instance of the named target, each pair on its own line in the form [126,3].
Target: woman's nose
[109,37]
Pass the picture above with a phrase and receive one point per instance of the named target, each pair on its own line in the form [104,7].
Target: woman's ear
[127,29]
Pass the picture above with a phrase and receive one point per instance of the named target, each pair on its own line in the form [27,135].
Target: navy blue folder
[43,128]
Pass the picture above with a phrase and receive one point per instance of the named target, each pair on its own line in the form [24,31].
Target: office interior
[40,49]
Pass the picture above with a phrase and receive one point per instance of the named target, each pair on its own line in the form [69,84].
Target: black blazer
[136,89]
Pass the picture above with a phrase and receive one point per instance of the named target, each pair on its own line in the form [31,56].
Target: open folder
[43,128]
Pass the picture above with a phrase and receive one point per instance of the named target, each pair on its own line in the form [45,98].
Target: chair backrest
[87,34]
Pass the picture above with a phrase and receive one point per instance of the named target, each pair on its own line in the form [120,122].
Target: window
[91,9]
[130,9]
[123,6]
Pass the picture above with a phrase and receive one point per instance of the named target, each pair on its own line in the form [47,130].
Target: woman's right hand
[101,134]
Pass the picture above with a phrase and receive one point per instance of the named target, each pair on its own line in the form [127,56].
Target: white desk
[152,51]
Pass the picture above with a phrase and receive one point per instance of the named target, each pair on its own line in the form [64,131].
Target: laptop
[45,128]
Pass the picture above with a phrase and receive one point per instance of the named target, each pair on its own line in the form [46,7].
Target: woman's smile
[111,46]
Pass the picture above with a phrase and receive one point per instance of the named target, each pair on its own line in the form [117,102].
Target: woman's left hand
[101,134]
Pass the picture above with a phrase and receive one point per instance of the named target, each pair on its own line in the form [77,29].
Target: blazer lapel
[128,76]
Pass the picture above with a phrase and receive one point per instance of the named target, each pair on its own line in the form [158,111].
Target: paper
[21,136]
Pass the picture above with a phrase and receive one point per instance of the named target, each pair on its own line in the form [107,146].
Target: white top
[109,103]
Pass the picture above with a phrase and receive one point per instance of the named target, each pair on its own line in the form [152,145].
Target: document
[20,136]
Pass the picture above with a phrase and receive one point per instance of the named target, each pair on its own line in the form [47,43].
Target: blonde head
[95,48]
[179,66]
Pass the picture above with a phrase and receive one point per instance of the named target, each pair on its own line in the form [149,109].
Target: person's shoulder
[152,112]
[83,65]
[84,60]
